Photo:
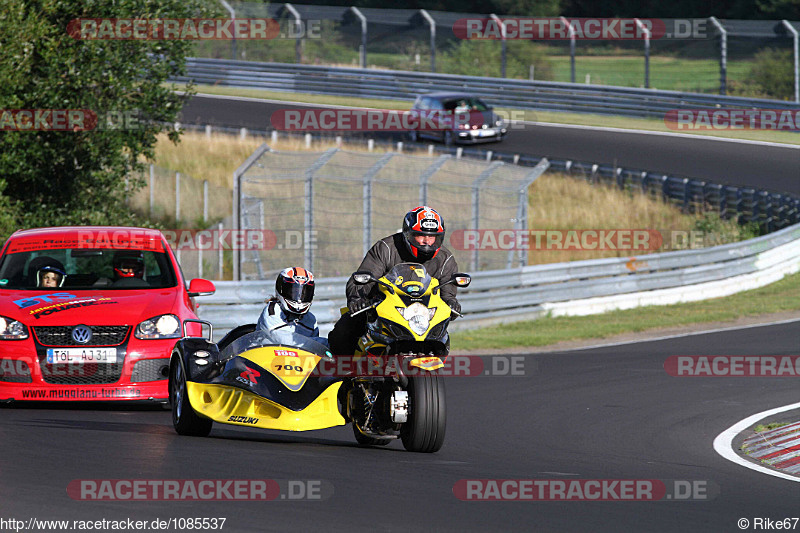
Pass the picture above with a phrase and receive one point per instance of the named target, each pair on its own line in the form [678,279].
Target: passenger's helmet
[295,290]
[423,221]
[61,276]
[128,265]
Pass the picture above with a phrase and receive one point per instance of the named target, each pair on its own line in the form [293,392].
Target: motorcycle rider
[420,241]
[288,310]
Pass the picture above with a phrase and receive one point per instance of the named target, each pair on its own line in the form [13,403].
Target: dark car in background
[456,118]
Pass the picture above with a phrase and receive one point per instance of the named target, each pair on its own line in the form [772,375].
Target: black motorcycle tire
[363,440]
[427,414]
[184,419]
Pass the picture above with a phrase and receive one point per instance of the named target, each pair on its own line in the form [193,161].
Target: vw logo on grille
[81,334]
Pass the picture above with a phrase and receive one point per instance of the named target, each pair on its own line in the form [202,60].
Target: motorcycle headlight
[418,316]
[12,330]
[159,327]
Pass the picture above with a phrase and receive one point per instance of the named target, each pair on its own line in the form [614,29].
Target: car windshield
[276,337]
[462,105]
[86,268]
[411,278]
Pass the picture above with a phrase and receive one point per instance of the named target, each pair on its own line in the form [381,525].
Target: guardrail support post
[723,55]
[796,49]
[363,35]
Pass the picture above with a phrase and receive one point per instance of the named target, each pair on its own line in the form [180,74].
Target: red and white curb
[723,444]
[779,448]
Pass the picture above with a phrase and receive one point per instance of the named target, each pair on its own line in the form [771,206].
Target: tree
[79,177]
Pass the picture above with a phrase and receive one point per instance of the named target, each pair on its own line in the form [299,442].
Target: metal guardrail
[499,293]
[501,92]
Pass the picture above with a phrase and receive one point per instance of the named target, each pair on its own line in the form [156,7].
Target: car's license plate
[485,133]
[81,355]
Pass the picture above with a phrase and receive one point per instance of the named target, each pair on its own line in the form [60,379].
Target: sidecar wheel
[184,419]
[427,415]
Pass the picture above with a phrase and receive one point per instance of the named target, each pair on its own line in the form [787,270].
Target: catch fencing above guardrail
[500,92]
[579,287]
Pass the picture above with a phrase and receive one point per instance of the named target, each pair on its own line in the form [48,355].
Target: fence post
[308,195]
[369,176]
[426,176]
[220,258]
[503,49]
[152,186]
[237,186]
[363,35]
[298,56]
[476,205]
[796,49]
[205,200]
[723,55]
[646,52]
[571,31]
[232,13]
[432,23]
[522,207]
[177,197]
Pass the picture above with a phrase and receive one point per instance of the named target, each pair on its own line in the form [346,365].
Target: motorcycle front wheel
[427,414]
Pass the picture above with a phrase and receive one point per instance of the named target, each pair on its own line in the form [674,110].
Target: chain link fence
[324,210]
[198,215]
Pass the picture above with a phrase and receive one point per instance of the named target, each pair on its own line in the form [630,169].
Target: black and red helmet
[295,290]
[423,221]
[128,264]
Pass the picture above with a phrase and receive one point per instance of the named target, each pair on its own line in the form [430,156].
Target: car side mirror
[201,287]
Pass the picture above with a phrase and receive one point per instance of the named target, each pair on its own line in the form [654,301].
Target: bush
[772,74]
[483,58]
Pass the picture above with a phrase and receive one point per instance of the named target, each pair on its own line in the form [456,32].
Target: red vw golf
[90,313]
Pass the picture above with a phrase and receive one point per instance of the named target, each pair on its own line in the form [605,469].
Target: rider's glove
[358,304]
[455,307]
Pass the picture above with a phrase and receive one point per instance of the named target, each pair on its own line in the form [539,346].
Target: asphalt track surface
[768,167]
[603,413]
[606,413]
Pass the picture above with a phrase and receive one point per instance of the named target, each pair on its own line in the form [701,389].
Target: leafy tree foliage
[79,177]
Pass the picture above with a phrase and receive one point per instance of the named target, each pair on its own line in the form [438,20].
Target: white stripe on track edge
[723,442]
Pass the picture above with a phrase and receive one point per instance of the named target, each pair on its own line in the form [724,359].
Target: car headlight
[418,316]
[12,330]
[498,122]
[159,327]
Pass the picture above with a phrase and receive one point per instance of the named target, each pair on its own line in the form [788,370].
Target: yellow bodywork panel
[291,366]
[230,405]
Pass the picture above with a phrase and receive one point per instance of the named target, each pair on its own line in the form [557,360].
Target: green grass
[780,296]
[773,425]
[666,73]
[585,119]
